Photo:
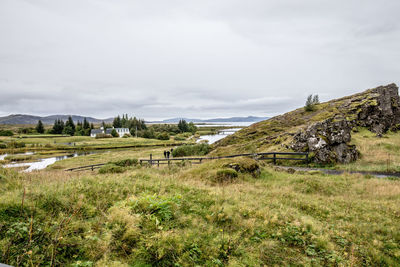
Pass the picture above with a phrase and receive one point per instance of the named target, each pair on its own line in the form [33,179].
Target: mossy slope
[276,134]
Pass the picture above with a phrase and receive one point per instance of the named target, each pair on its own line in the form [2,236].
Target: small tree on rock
[311,103]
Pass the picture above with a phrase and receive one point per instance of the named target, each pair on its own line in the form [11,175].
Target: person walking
[168,154]
[165,154]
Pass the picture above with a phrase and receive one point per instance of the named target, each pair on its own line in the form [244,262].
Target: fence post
[92,167]
[307,158]
[274,158]
[158,163]
[151,160]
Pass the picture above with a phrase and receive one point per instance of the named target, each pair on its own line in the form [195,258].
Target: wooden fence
[274,156]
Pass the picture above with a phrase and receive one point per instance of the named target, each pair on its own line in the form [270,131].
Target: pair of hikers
[167,153]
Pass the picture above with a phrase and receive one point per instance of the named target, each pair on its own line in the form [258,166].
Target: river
[41,163]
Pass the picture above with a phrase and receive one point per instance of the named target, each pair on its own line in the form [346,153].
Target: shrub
[163,136]
[2,145]
[111,168]
[6,133]
[149,133]
[191,150]
[14,144]
[179,137]
[161,207]
[245,165]
[126,135]
[18,157]
[101,135]
[27,130]
[225,175]
[114,133]
[125,162]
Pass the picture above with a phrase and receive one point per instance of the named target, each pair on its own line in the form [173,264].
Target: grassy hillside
[377,153]
[198,215]
[277,133]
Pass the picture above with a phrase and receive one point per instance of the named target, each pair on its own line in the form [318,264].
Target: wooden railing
[274,156]
[87,167]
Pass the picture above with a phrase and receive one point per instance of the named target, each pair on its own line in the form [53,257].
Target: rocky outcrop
[328,141]
[382,112]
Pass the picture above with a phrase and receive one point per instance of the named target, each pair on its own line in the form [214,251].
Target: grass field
[198,215]
[47,147]
[377,153]
[187,216]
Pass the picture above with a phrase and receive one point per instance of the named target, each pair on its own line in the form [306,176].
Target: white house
[121,131]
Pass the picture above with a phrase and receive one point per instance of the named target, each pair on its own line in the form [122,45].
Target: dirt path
[338,172]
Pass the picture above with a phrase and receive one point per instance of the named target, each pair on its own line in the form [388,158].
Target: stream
[41,163]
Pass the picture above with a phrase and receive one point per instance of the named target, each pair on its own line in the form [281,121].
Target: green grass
[377,153]
[110,156]
[181,217]
[84,143]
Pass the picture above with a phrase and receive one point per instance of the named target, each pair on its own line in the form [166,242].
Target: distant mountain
[231,119]
[31,119]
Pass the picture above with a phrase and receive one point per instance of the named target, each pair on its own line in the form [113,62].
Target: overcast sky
[183,58]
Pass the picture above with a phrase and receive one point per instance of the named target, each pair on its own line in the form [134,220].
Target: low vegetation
[191,150]
[181,216]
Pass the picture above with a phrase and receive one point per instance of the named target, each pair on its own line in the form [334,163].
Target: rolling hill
[31,119]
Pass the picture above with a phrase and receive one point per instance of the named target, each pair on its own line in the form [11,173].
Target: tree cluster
[186,127]
[69,127]
[132,124]
[164,131]
[311,103]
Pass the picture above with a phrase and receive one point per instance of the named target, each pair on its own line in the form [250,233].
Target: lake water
[215,137]
[239,123]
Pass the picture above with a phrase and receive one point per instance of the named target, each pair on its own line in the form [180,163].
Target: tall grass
[180,217]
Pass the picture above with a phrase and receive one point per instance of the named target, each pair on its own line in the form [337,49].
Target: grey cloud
[159,59]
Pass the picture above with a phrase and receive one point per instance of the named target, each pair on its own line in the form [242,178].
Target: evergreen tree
[315,100]
[117,122]
[183,126]
[86,124]
[309,104]
[40,127]
[68,130]
[69,127]
[124,120]
[86,128]
[58,127]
